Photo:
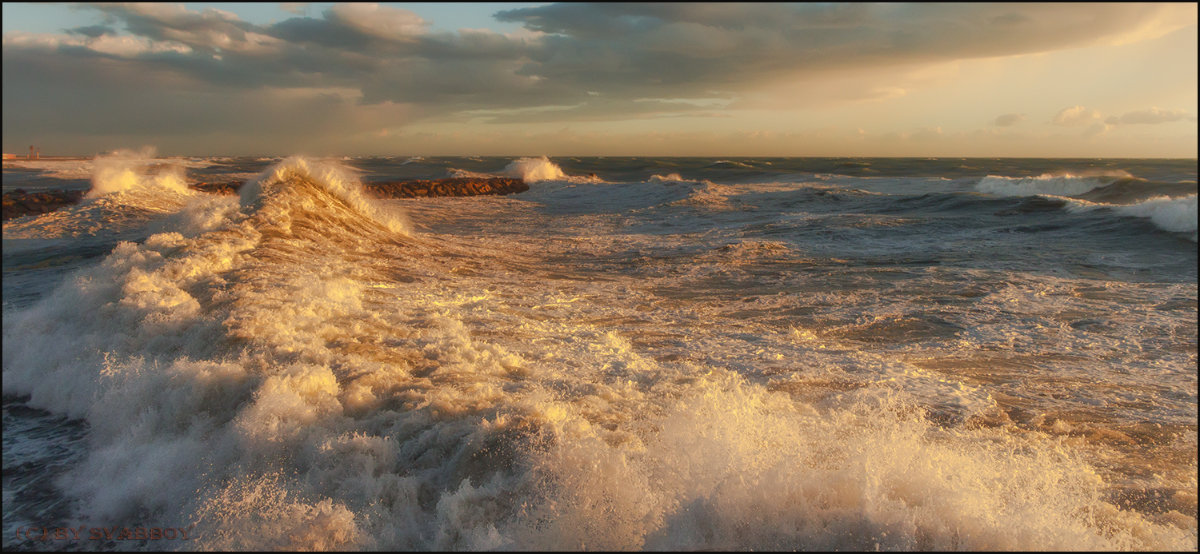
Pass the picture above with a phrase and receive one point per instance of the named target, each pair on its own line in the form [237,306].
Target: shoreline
[19,202]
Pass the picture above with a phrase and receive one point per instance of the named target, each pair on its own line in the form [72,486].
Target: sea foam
[296,375]
[126,170]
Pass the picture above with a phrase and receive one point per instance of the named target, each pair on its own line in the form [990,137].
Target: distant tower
[30,152]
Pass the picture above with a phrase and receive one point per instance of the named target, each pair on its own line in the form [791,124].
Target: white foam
[533,170]
[1172,214]
[1175,214]
[670,178]
[126,170]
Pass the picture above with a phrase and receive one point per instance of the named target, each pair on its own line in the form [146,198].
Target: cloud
[297,8]
[1075,115]
[1008,119]
[379,21]
[598,59]
[92,31]
[1151,116]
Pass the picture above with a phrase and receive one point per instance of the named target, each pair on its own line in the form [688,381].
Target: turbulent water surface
[638,353]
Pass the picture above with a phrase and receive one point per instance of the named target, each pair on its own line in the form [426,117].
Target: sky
[604,79]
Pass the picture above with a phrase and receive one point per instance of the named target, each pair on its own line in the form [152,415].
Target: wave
[707,195]
[467,174]
[1134,190]
[319,186]
[1057,184]
[530,170]
[126,170]
[67,170]
[87,168]
[670,178]
[730,163]
[128,191]
[299,376]
[533,170]
[1172,214]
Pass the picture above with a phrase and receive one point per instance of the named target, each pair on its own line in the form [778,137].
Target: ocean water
[637,353]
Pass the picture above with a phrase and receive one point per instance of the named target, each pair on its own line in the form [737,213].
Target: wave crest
[126,170]
[328,177]
[1056,184]
[1172,214]
[533,170]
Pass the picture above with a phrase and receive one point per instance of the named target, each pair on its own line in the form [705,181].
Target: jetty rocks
[446,187]
[417,188]
[18,203]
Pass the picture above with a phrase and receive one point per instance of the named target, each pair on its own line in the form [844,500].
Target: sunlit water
[638,353]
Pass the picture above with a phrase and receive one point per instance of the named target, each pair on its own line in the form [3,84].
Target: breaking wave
[319,185]
[1057,184]
[530,170]
[126,171]
[1171,214]
[533,170]
[300,373]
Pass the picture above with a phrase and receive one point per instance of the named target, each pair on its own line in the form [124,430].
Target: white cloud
[381,21]
[1075,115]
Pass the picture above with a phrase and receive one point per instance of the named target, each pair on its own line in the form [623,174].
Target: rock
[446,187]
[19,203]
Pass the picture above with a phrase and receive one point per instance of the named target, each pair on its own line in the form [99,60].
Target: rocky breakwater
[446,187]
[19,202]
[416,188]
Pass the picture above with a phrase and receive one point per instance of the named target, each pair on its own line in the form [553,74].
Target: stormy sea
[636,353]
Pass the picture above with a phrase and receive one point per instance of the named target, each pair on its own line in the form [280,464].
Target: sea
[638,353]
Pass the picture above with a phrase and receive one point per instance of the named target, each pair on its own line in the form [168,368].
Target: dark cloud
[92,31]
[692,46]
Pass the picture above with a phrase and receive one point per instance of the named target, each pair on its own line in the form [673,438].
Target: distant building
[10,156]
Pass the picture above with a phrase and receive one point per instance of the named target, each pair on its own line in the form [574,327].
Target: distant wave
[86,168]
[530,170]
[467,174]
[670,178]
[1171,206]
[533,170]
[730,163]
[1058,184]
[128,171]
